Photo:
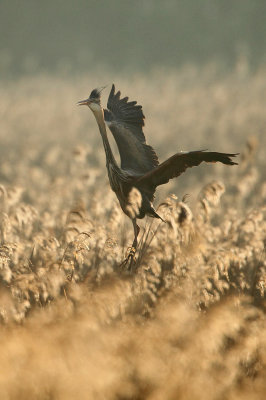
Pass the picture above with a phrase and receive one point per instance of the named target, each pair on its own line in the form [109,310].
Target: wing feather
[178,163]
[125,120]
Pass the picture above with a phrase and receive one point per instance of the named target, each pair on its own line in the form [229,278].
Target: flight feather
[178,163]
[125,120]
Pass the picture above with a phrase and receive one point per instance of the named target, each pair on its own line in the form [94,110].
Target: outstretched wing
[178,163]
[126,120]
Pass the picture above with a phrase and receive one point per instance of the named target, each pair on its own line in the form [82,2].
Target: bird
[139,168]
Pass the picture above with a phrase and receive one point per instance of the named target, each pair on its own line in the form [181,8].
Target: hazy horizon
[129,36]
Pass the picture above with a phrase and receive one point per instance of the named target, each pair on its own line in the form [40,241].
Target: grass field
[190,322]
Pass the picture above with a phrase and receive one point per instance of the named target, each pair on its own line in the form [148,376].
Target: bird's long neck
[102,127]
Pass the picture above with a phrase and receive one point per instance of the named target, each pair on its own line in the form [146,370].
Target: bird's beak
[84,102]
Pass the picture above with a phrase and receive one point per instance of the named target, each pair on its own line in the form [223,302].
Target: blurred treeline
[122,34]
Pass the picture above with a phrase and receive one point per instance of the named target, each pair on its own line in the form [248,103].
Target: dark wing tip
[112,92]
[231,162]
[226,158]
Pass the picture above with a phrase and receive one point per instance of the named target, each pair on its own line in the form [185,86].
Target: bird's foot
[131,253]
[130,258]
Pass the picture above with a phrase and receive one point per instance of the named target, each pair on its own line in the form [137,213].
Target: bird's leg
[136,233]
[133,248]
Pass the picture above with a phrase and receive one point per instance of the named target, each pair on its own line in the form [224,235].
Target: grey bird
[140,167]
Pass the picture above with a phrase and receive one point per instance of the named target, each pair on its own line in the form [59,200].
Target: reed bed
[189,321]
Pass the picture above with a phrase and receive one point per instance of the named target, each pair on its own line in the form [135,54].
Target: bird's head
[94,100]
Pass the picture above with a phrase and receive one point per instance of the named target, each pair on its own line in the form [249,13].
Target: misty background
[123,35]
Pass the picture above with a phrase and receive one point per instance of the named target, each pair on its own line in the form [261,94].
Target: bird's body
[140,168]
